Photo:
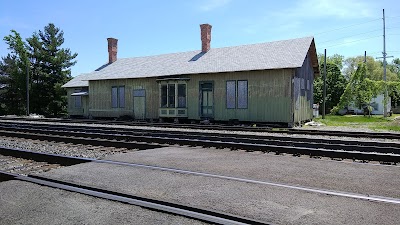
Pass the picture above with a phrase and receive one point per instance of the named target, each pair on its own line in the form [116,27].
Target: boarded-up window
[121,96]
[114,97]
[118,97]
[164,96]
[181,95]
[231,94]
[302,84]
[139,93]
[78,101]
[171,95]
[242,96]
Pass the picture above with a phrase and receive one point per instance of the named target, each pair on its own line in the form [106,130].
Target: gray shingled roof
[263,56]
[78,81]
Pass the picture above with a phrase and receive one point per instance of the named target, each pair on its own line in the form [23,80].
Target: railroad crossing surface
[261,186]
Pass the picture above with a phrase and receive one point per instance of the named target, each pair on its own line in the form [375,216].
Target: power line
[341,28]
[349,42]
[390,28]
[349,36]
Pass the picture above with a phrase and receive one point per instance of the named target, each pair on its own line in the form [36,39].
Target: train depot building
[264,83]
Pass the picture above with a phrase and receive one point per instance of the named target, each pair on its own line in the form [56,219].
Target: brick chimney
[112,49]
[205,37]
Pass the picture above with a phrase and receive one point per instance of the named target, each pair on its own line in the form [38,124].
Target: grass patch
[375,122]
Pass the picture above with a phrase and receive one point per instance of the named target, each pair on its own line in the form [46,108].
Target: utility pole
[324,93]
[27,89]
[365,62]
[365,57]
[385,93]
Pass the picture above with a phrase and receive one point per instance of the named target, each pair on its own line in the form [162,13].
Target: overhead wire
[350,36]
[349,42]
[341,28]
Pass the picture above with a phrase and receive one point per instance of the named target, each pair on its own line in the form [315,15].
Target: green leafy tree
[335,85]
[49,65]
[373,70]
[13,67]
[335,59]
[54,68]
[360,90]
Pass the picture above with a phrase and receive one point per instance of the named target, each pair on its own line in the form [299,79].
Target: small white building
[376,103]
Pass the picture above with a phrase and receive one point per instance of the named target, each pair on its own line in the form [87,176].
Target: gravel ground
[60,148]
[262,202]
[26,203]
[272,204]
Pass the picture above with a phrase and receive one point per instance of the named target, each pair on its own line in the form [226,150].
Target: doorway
[206,99]
[139,104]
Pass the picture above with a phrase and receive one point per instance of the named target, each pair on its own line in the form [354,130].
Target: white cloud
[342,9]
[291,19]
[209,5]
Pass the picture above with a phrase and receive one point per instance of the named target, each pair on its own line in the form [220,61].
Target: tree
[13,68]
[53,65]
[335,59]
[373,70]
[49,66]
[335,85]
[360,90]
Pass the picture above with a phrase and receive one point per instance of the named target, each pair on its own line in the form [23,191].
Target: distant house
[266,82]
[376,104]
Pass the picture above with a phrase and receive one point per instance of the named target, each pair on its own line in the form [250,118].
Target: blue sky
[155,27]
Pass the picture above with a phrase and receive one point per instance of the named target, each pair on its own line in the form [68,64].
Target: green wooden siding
[72,110]
[100,97]
[270,95]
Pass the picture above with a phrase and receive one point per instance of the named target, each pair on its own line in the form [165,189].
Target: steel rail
[54,157]
[163,206]
[203,135]
[278,140]
[82,138]
[383,135]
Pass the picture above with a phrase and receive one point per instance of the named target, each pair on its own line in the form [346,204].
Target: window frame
[76,105]
[118,101]
[179,96]
[234,94]
[238,95]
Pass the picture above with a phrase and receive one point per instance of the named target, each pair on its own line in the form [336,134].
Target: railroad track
[381,135]
[69,161]
[141,139]
[154,204]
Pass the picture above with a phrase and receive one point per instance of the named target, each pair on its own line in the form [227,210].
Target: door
[206,100]
[139,104]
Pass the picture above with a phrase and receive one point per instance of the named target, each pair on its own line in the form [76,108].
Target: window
[230,94]
[139,93]
[164,96]
[242,94]
[78,101]
[118,97]
[171,95]
[114,97]
[181,95]
[121,96]
[236,94]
